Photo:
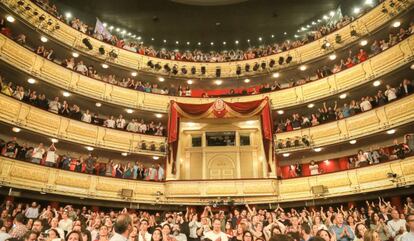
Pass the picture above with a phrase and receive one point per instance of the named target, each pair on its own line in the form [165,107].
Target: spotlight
[175,69]
[281,60]
[238,70]
[193,70]
[218,72]
[272,63]
[203,70]
[247,67]
[256,66]
[157,66]
[183,70]
[87,43]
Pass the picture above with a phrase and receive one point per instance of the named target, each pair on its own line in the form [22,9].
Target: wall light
[16,129]
[75,55]
[303,67]
[124,153]
[280,112]
[318,149]
[363,42]
[155,157]
[352,142]
[332,56]
[105,66]
[286,154]
[311,105]
[129,111]
[247,81]
[275,75]
[218,82]
[54,140]
[98,104]
[134,74]
[10,19]
[390,132]
[161,79]
[190,82]
[31,81]
[342,96]
[376,83]
[66,94]
[43,39]
[158,115]
[89,148]
[396,24]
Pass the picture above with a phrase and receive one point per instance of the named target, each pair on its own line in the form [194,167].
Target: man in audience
[33,211]
[341,230]
[19,229]
[122,228]
[396,225]
[410,224]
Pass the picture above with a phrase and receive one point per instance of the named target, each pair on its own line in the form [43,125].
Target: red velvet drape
[242,108]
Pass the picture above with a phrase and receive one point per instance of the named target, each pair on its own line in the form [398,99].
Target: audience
[89,164]
[243,223]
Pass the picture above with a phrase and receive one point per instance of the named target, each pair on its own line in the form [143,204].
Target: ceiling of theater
[192,21]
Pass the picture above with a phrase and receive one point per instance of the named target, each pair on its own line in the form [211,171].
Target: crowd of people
[74,111]
[363,158]
[316,31]
[328,113]
[90,164]
[378,220]
[90,70]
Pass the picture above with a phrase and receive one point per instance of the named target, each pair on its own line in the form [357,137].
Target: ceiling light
[158,115]
[318,149]
[111,27]
[275,75]
[236,42]
[212,43]
[123,31]
[352,142]
[342,96]
[118,29]
[98,104]
[161,79]
[10,18]
[369,2]
[332,56]
[134,74]
[188,43]
[176,42]
[224,43]
[129,111]
[260,38]
[89,148]
[104,24]
[302,67]
[285,33]
[376,83]
[199,43]
[396,24]
[246,80]
[412,67]
[155,157]
[363,42]
[75,55]
[280,112]
[129,33]
[105,66]
[190,82]
[331,13]
[164,40]
[325,17]
[68,15]
[124,154]
[218,82]
[16,129]
[390,132]
[53,140]
[272,36]
[43,39]
[31,81]
[139,37]
[357,10]
[311,105]
[248,40]
[286,154]
[66,94]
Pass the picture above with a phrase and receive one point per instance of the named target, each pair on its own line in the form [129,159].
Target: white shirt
[51,156]
[118,237]
[32,212]
[213,236]
[160,173]
[66,225]
[391,94]
[110,123]
[365,105]
[86,118]
[395,226]
[408,237]
[120,123]
[146,235]
[38,152]
[314,169]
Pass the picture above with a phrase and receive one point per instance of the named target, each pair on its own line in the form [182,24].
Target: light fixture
[331,13]
[275,75]
[280,112]
[357,10]
[369,2]
[104,24]
[390,132]
[16,129]
[176,42]
[224,43]
[66,94]
[124,153]
[199,43]
[318,149]
[158,115]
[218,82]
[352,142]
[75,55]
[260,38]
[155,157]
[10,18]
[212,43]
[43,39]
[161,79]
[311,105]
[129,111]
[188,43]
[246,80]
[89,148]
[272,36]
[134,74]
[68,15]
[286,154]
[98,104]
[54,140]
[302,67]
[164,40]
[412,67]
[236,42]
[342,96]
[396,24]
[363,42]
[332,56]
[190,82]
[31,81]
[376,83]
[105,66]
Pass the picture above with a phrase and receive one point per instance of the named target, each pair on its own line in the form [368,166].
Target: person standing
[122,228]
[342,231]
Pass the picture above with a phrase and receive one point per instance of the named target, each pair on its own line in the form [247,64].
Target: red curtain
[219,109]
